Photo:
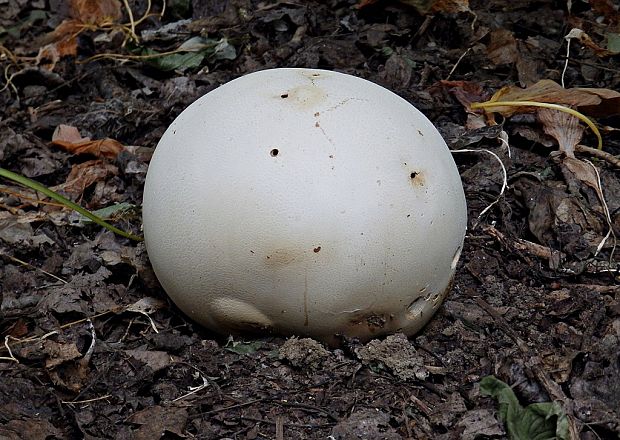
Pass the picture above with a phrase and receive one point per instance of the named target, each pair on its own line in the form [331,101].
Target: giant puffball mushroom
[304,202]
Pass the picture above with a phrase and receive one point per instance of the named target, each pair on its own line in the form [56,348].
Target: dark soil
[92,348]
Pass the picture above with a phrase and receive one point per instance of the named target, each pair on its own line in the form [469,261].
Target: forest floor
[92,347]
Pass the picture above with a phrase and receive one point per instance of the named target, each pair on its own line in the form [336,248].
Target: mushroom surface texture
[306,202]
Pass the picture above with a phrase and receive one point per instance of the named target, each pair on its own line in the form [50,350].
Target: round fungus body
[305,202]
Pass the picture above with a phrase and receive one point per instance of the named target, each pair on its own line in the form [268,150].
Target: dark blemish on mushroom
[317,114]
[251,252]
[284,95]
[331,156]
[316,74]
[174,132]
[317,125]
[274,152]
[420,133]
[408,215]
[417,178]
[317,249]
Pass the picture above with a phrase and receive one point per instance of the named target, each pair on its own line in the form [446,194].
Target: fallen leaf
[108,148]
[502,48]
[86,15]
[96,12]
[607,9]
[67,133]
[69,138]
[155,421]
[59,353]
[563,127]
[465,92]
[592,101]
[85,174]
[155,360]
[424,7]
[536,421]
[146,305]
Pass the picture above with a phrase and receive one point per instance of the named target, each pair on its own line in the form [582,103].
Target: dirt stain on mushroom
[305,96]
[281,257]
[306,299]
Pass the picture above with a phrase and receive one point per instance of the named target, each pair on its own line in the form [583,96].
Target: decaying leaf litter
[92,347]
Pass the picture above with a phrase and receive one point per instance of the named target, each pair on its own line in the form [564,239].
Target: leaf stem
[562,108]
[66,202]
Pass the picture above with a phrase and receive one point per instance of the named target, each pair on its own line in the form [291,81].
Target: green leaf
[538,421]
[174,61]
[243,347]
[190,54]
[613,42]
[112,212]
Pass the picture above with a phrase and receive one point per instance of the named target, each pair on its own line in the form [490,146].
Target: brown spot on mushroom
[284,95]
[417,178]
[274,152]
[317,125]
[281,257]
[317,114]
[420,133]
[317,249]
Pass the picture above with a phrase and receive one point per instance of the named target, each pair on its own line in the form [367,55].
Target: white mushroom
[304,202]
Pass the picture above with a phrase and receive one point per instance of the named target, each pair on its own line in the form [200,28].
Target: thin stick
[505,175]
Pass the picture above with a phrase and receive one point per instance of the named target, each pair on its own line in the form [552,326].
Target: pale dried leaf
[85,174]
[565,128]
[67,133]
[146,305]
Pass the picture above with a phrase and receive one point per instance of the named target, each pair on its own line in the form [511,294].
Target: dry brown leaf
[69,138]
[425,6]
[59,353]
[502,48]
[96,12]
[108,148]
[465,92]
[85,174]
[593,101]
[450,6]
[607,9]
[563,127]
[62,41]
[583,171]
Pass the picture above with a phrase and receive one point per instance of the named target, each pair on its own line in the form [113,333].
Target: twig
[601,196]
[599,154]
[504,180]
[23,263]
[80,402]
[457,63]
